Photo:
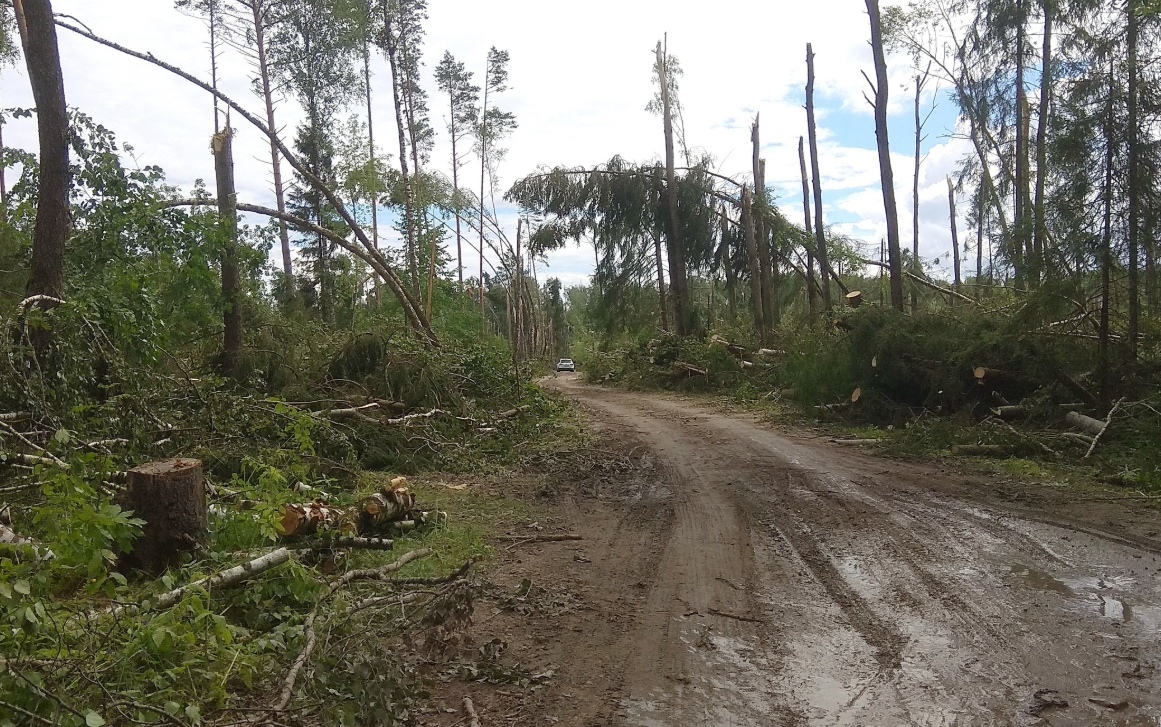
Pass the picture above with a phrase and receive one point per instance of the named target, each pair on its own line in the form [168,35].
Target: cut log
[981,450]
[1083,439]
[513,412]
[382,508]
[856,395]
[1085,423]
[1009,413]
[855,442]
[170,496]
[307,519]
[854,298]
[770,352]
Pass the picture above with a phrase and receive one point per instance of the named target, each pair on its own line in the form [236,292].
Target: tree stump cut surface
[170,496]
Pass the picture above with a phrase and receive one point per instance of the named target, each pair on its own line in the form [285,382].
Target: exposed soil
[735,575]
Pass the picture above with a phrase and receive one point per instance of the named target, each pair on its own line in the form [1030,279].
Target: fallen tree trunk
[1085,423]
[1009,413]
[228,577]
[384,507]
[981,450]
[688,369]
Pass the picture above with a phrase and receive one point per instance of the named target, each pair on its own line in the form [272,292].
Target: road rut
[804,584]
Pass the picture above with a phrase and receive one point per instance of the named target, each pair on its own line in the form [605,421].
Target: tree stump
[170,496]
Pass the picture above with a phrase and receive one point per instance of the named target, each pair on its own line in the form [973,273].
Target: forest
[220,420]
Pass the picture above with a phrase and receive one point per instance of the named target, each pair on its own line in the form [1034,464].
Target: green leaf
[92,719]
[194,714]
[172,708]
[62,436]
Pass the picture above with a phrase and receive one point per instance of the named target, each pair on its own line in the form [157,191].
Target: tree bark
[754,264]
[408,190]
[1134,221]
[894,258]
[677,278]
[483,168]
[42,57]
[223,149]
[981,212]
[258,8]
[765,259]
[1022,243]
[812,134]
[811,298]
[915,195]
[170,496]
[662,304]
[1040,231]
[1106,251]
[372,160]
[954,235]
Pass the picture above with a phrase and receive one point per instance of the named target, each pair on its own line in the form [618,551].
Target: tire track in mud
[888,593]
[879,634]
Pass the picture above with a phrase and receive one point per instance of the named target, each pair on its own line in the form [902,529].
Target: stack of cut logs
[391,509]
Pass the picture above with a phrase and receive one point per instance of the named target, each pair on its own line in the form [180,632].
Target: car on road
[565,364]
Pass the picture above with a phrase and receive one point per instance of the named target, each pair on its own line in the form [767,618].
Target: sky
[580,77]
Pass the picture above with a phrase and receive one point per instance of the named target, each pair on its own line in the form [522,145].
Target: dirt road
[769,579]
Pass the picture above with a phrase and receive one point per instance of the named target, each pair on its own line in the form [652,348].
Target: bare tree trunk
[728,263]
[1106,250]
[764,257]
[258,7]
[811,298]
[1134,220]
[1151,302]
[408,190]
[887,176]
[518,299]
[915,195]
[812,134]
[754,265]
[677,275]
[1039,231]
[38,36]
[223,149]
[981,212]
[1020,258]
[662,304]
[374,164]
[3,180]
[483,168]
[954,236]
[456,188]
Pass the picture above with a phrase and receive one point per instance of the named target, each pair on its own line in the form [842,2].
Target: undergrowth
[911,382]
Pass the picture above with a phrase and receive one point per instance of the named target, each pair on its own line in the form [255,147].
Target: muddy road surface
[783,580]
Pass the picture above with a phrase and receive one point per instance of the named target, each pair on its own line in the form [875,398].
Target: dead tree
[812,301]
[886,175]
[170,496]
[223,149]
[954,235]
[765,256]
[812,133]
[754,265]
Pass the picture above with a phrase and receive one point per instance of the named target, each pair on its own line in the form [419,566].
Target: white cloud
[580,79]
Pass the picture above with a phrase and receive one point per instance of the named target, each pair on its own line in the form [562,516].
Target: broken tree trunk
[754,265]
[170,496]
[223,149]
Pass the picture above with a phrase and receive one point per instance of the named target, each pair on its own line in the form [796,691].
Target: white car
[565,364]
